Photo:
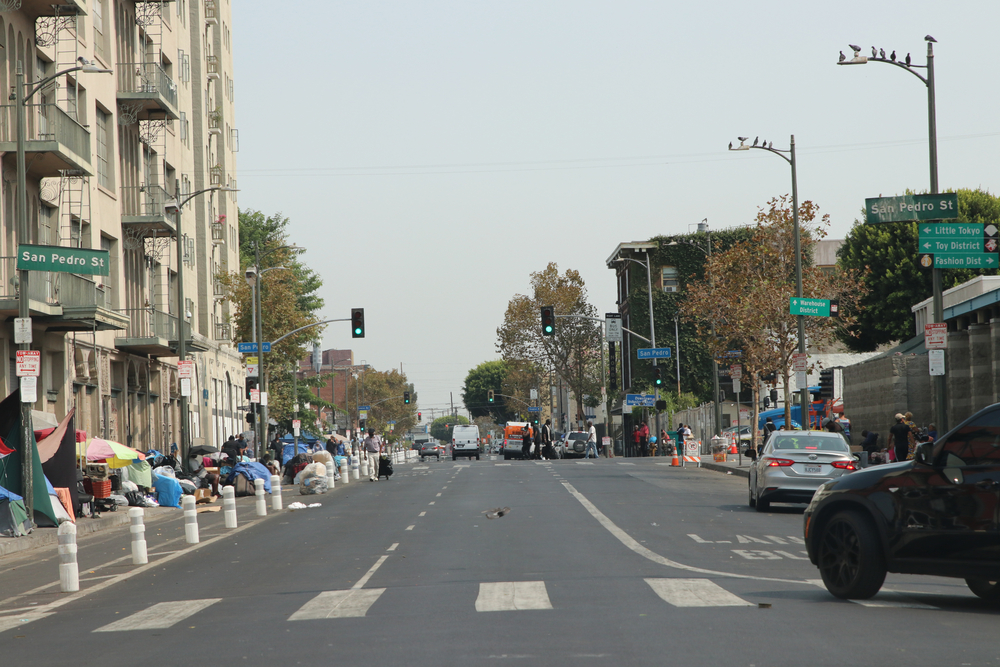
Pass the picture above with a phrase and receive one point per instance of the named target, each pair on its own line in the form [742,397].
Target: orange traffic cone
[675,461]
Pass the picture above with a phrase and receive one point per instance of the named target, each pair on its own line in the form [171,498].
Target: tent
[251,471]
[13,517]
[10,465]
[57,451]
[288,451]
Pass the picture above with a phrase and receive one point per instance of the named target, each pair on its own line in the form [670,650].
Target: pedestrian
[591,440]
[372,448]
[834,426]
[331,445]
[680,439]
[931,433]
[547,439]
[664,442]
[652,446]
[768,429]
[914,432]
[526,442]
[537,439]
[276,448]
[870,442]
[899,438]
[643,439]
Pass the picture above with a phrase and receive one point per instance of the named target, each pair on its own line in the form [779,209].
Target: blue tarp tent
[168,490]
[252,471]
[288,451]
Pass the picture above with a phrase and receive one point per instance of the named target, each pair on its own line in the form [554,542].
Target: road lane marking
[512,596]
[649,554]
[623,463]
[422,514]
[756,554]
[431,502]
[393,547]
[585,463]
[11,622]
[438,495]
[894,604]
[160,616]
[695,593]
[699,540]
[411,527]
[353,603]
[776,539]
[368,575]
[746,539]
[791,556]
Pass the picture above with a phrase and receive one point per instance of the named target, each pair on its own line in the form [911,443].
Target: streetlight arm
[904,66]
[49,79]
[180,205]
[309,326]
[637,335]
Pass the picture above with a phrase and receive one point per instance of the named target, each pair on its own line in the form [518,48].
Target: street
[610,562]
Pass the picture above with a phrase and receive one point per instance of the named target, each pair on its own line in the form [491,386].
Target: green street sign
[962,260]
[951,230]
[936,245]
[61,258]
[911,207]
[804,306]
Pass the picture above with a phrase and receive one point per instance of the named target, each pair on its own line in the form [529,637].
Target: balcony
[222,331]
[215,122]
[53,141]
[64,301]
[218,233]
[212,67]
[143,208]
[147,84]
[211,13]
[35,8]
[151,332]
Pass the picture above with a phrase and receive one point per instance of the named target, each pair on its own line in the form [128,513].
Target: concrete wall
[876,389]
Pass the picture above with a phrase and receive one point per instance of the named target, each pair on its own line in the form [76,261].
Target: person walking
[680,439]
[643,440]
[899,438]
[547,440]
[526,442]
[331,445]
[372,448]
[591,440]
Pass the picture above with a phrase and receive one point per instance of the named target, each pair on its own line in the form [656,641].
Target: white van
[465,441]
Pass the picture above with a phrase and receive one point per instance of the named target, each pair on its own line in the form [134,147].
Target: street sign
[962,260]
[251,348]
[911,207]
[951,230]
[534,408]
[29,389]
[533,394]
[362,415]
[804,306]
[255,395]
[640,400]
[736,372]
[737,386]
[733,354]
[951,245]
[935,361]
[936,336]
[29,363]
[613,327]
[22,330]
[800,362]
[64,259]
[296,423]
[653,353]
[253,367]
[366,408]
[185,386]
[185,369]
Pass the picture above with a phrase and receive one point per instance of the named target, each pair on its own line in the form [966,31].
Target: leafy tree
[383,391]
[573,352]
[886,257]
[487,375]
[442,427]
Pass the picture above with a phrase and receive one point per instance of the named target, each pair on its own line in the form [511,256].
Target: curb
[718,467]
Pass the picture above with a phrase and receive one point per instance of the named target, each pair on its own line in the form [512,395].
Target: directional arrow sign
[966,245]
[951,230]
[804,306]
[959,260]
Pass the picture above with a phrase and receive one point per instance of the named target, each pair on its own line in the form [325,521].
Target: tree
[886,257]
[383,392]
[475,394]
[574,351]
[442,427]
[747,289]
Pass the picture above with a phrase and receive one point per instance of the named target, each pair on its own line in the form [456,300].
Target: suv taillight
[844,465]
[773,462]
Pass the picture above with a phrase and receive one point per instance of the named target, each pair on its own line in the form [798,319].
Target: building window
[184,128]
[105,175]
[668,278]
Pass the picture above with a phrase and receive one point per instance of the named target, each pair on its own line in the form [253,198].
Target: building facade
[112,159]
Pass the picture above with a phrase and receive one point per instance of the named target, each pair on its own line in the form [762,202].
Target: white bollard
[138,530]
[345,474]
[261,501]
[191,535]
[69,572]
[331,476]
[275,493]
[356,466]
[229,506]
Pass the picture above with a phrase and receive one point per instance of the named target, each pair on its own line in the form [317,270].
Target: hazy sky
[431,154]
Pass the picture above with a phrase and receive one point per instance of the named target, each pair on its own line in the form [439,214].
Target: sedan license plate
[814,468]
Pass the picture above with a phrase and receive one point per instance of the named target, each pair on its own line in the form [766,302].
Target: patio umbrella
[116,454]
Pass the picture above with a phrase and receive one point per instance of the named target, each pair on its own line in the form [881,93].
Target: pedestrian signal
[357,322]
[548,320]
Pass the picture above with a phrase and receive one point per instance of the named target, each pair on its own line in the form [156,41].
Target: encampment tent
[13,517]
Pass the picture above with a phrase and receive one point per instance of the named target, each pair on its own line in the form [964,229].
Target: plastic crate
[97,488]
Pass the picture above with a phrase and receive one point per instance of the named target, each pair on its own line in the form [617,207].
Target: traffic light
[357,322]
[419,417]
[774,397]
[826,383]
[251,384]
[489,395]
[406,397]
[548,321]
[658,378]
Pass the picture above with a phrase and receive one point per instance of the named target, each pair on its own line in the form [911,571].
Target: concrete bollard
[138,530]
[275,493]
[331,476]
[69,572]
[261,501]
[229,506]
[364,467]
[191,535]
[356,467]
[345,474]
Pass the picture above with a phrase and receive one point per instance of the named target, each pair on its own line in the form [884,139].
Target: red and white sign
[255,395]
[29,363]
[736,371]
[185,369]
[936,336]
[296,423]
[800,362]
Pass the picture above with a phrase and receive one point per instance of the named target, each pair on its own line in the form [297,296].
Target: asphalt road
[603,563]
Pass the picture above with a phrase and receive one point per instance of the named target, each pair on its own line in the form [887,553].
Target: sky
[431,155]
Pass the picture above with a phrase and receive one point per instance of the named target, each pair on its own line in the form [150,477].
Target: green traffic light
[357,330]
[548,329]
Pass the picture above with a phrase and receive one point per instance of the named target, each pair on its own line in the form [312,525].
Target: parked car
[430,448]
[573,444]
[936,514]
[793,464]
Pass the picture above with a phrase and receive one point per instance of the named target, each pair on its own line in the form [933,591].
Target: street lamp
[177,204]
[23,305]
[800,319]
[940,386]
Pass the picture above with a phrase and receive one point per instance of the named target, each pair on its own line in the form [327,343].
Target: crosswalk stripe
[623,463]
[160,616]
[512,596]
[585,463]
[353,603]
[695,593]
[17,620]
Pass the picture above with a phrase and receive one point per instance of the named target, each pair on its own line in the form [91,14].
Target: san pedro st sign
[61,258]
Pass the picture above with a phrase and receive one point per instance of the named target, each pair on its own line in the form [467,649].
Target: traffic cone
[675,462]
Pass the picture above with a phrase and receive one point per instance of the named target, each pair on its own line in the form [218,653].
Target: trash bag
[312,485]
[310,470]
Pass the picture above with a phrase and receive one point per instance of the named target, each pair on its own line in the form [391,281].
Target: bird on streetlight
[857,49]
[881,54]
[730,145]
[928,38]
[907,59]
[755,140]
[742,139]
[892,56]
[842,57]
[874,52]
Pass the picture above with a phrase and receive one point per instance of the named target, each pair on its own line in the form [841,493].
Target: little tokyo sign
[60,258]
[911,207]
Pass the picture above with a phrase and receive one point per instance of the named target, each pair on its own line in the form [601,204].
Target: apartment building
[111,161]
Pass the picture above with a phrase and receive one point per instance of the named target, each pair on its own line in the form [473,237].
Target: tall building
[341,364]
[109,159]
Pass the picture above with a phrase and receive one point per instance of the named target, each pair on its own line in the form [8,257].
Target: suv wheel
[477,457]
[850,557]
[454,457]
[984,588]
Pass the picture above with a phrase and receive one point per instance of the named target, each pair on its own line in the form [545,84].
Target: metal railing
[46,122]
[221,331]
[220,289]
[215,121]
[52,287]
[210,11]
[149,323]
[146,78]
[212,65]
[218,232]
[144,200]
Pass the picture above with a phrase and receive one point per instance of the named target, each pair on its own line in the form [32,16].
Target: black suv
[937,514]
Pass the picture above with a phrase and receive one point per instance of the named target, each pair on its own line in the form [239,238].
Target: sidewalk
[732,465]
